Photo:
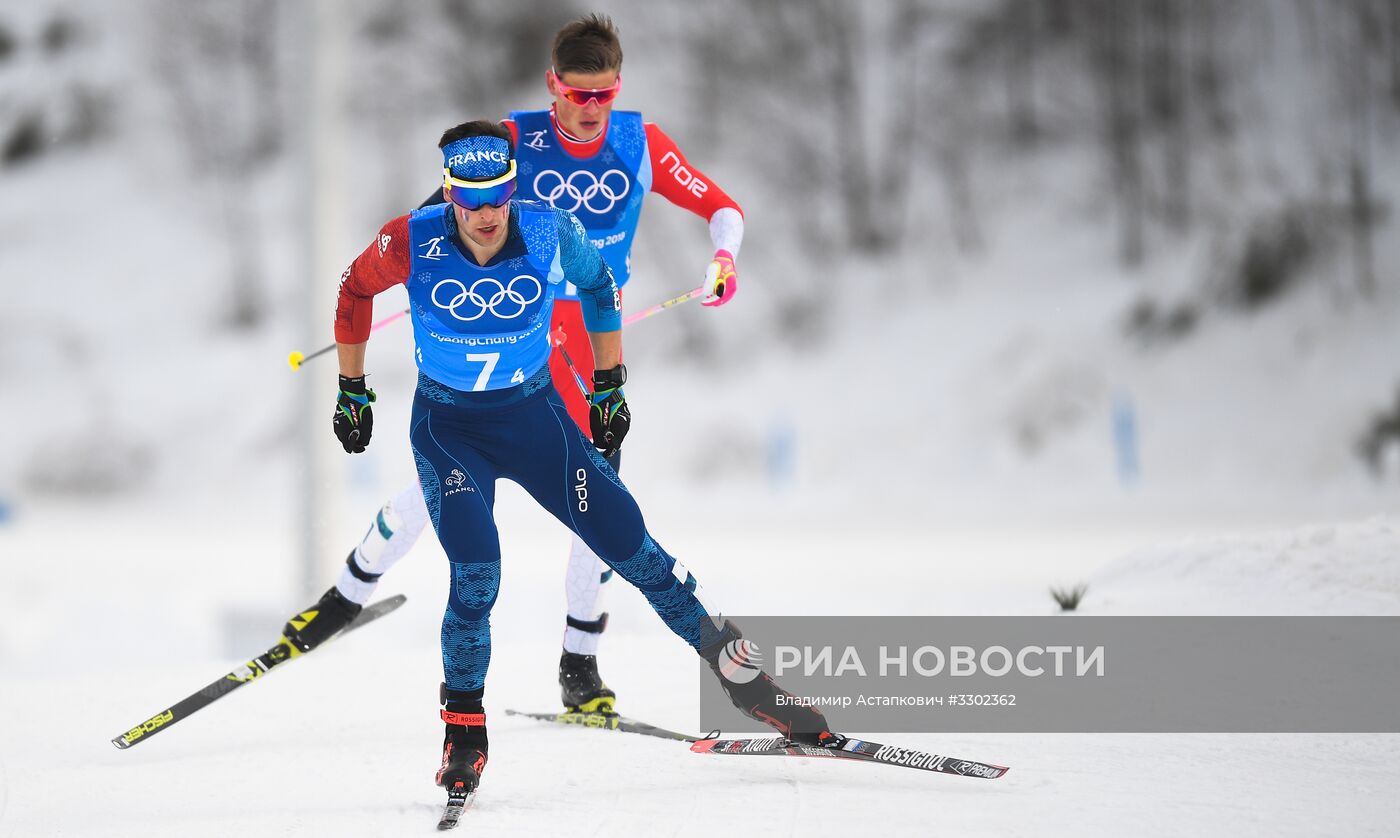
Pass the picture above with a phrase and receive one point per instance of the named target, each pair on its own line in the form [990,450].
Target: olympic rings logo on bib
[582,189]
[478,304]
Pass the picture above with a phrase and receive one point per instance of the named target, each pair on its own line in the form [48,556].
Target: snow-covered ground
[345,742]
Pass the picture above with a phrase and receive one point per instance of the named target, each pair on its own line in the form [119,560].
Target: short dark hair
[587,45]
[476,128]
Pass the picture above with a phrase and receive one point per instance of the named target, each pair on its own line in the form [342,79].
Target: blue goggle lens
[476,197]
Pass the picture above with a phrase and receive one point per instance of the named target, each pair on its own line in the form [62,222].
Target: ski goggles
[583,95]
[475,194]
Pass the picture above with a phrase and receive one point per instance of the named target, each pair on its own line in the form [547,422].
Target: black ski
[250,671]
[606,721]
[457,802]
[852,749]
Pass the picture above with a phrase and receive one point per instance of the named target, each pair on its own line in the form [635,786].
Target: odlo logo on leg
[581,489]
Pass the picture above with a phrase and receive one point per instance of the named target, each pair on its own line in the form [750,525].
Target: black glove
[608,416]
[354,420]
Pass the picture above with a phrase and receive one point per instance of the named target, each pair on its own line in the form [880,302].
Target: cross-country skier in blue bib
[482,274]
[599,163]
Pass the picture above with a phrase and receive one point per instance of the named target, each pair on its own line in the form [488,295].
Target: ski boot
[317,624]
[464,746]
[755,693]
[581,688]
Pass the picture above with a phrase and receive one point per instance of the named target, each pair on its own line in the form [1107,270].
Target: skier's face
[484,227]
[584,121]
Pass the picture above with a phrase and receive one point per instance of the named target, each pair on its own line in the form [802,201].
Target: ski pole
[662,306]
[557,337]
[296,359]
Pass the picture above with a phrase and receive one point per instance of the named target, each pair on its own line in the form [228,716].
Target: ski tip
[706,743]
[121,743]
[388,603]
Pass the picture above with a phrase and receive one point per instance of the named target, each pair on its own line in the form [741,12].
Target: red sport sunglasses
[583,95]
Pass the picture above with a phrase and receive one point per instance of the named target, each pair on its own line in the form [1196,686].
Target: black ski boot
[314,626]
[755,693]
[464,746]
[581,688]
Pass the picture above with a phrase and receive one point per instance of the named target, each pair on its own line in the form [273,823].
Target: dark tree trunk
[1023,20]
[1356,47]
[1166,107]
[1116,58]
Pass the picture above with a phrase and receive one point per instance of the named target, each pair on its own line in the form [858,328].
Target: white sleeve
[727,230]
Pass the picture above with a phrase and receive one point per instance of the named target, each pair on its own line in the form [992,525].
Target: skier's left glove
[608,416]
[354,420]
[721,280]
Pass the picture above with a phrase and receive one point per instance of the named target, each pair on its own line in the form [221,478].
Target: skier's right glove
[608,416]
[354,419]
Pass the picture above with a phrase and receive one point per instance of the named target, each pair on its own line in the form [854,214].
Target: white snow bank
[1333,569]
